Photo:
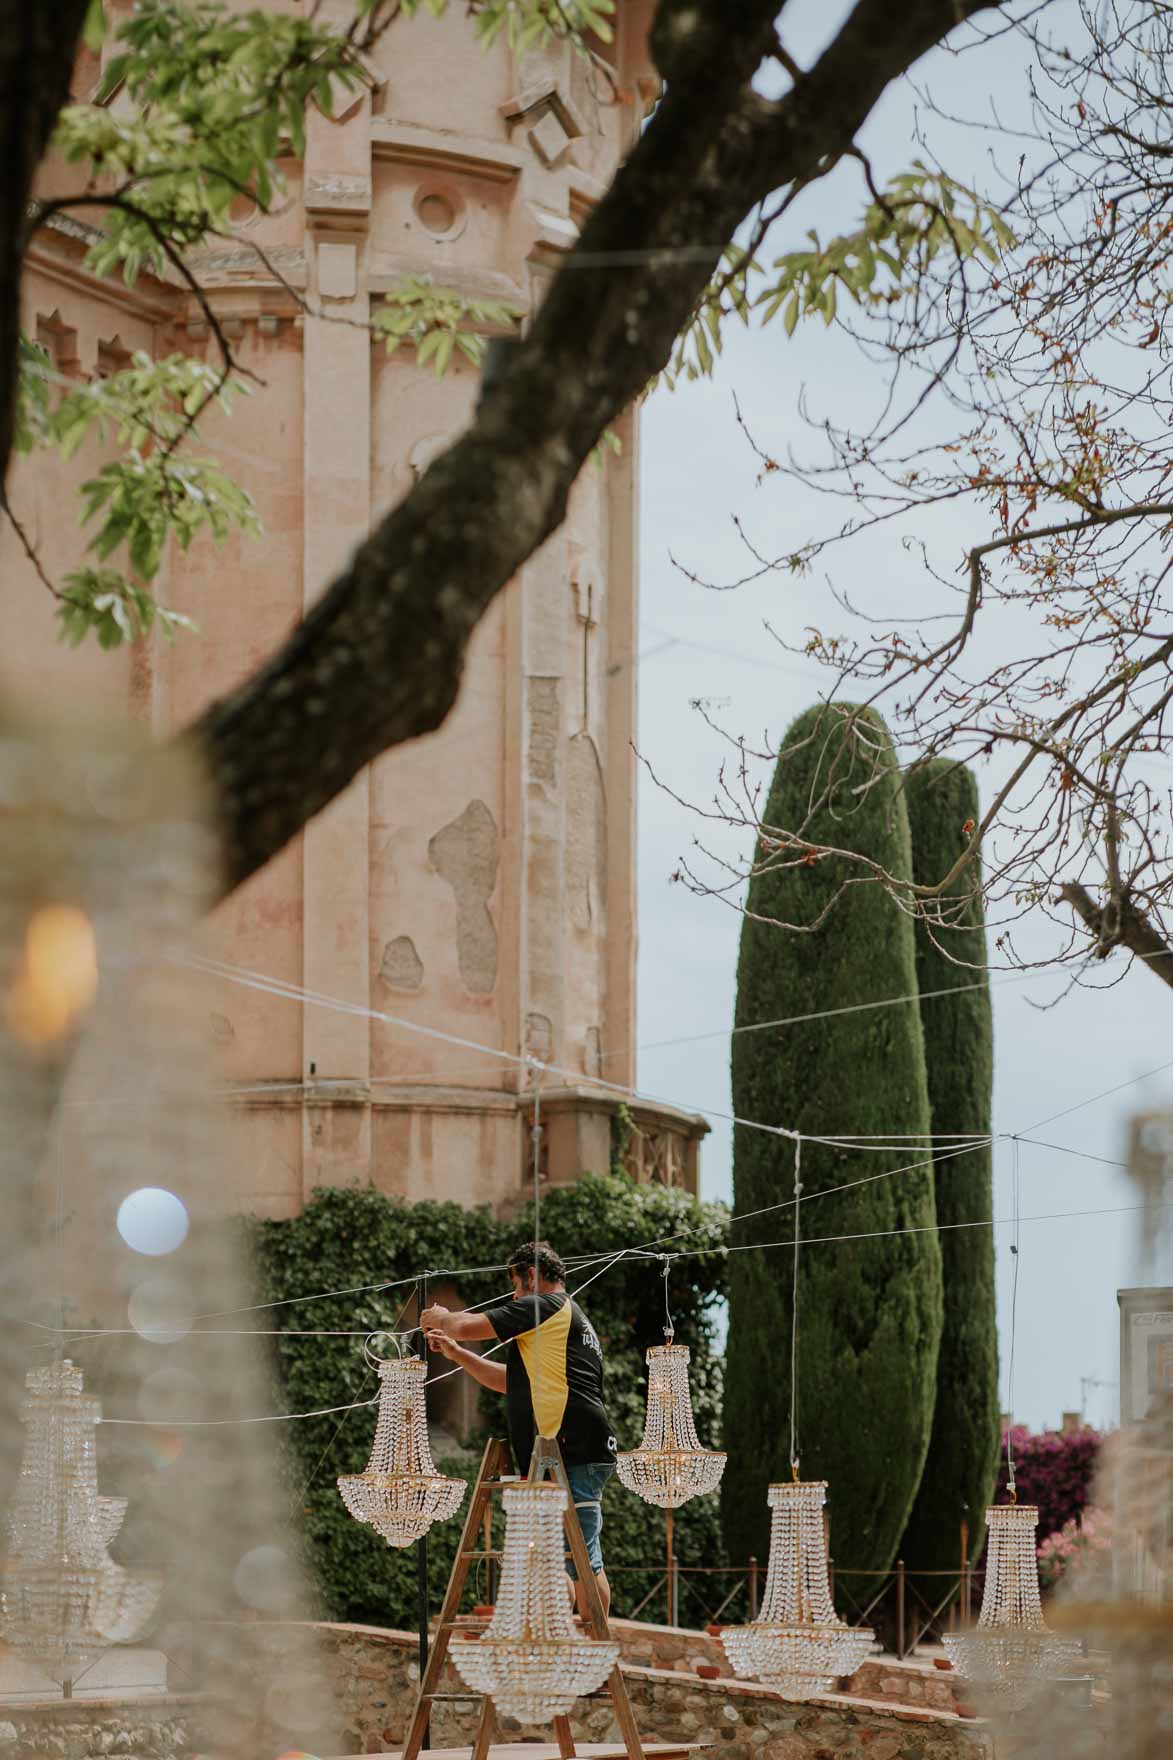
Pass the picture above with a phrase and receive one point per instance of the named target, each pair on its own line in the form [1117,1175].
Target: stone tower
[471,898]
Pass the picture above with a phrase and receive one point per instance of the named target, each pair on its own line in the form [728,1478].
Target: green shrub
[351,1237]
[870,1310]
[959,1474]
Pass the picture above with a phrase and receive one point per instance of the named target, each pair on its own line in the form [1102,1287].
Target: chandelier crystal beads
[797,1645]
[63,1600]
[670,1466]
[1011,1650]
[531,1661]
[401,1494]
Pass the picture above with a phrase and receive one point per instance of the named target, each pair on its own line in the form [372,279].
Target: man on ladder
[565,1363]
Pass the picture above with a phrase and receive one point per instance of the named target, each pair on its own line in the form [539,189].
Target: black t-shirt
[565,1358]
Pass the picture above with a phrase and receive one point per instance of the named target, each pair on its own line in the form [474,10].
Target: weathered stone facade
[480,883]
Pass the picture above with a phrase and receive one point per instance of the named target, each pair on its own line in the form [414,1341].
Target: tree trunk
[38,44]
[378,660]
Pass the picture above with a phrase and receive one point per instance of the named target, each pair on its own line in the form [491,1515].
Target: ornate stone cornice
[405,144]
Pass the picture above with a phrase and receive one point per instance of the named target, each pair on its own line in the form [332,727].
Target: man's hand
[432,1319]
[490,1374]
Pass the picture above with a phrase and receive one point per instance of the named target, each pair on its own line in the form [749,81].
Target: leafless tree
[1029,383]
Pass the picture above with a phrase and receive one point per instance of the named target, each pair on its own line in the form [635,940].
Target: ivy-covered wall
[351,1238]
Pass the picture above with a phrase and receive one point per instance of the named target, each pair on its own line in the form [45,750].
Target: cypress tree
[958,1480]
[870,1310]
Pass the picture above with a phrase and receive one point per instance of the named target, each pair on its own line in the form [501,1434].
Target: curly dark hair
[550,1266]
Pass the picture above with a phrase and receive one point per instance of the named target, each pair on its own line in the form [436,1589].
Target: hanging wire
[794,1313]
[669,1323]
[1016,1204]
[368,1370]
[536,1141]
[296,993]
[607,1262]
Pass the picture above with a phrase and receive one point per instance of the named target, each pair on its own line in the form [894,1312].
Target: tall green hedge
[870,1310]
[959,1474]
[350,1237]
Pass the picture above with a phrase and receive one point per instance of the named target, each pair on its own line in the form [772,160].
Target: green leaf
[790,317]
[324,94]
[428,347]
[93,31]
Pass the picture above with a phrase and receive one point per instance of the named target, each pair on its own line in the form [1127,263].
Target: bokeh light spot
[153,1220]
[161,1310]
[58,977]
[267,1578]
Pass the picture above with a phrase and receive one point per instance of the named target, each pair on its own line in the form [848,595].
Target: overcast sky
[696,474]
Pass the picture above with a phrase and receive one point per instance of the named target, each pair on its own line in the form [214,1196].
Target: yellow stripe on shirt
[544,1354]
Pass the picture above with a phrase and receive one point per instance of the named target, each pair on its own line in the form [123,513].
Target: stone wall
[376,1673]
[162,1728]
[671,1647]
[373,1674]
[910,1683]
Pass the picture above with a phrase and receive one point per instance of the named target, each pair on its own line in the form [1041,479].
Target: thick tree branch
[378,659]
[37,49]
[1127,928]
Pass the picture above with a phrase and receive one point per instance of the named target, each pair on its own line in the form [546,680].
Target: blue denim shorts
[587,1485]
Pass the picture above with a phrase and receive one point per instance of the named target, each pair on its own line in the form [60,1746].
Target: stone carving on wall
[337,270]
[440,210]
[337,197]
[402,967]
[59,341]
[543,702]
[345,100]
[544,113]
[465,853]
[586,835]
[656,1155]
[539,1036]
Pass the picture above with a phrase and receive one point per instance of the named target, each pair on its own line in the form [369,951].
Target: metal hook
[372,1356]
[669,1323]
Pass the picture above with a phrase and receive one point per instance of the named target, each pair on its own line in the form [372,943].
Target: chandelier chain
[1016,1206]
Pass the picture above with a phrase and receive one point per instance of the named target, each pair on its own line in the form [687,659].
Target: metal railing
[904,1604]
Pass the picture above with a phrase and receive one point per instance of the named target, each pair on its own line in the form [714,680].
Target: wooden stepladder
[546,1464]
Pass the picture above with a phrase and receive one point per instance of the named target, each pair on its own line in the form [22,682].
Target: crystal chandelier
[531,1661]
[797,1645]
[1011,1650]
[63,1600]
[401,1493]
[670,1466]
